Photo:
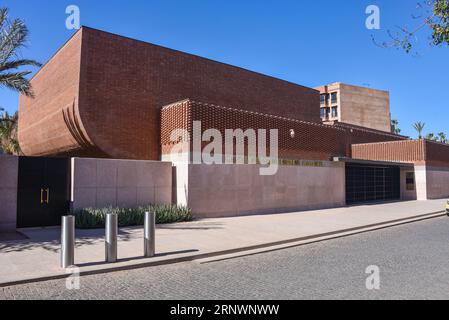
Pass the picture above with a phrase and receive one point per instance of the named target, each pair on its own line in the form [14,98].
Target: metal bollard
[67,241]
[150,235]
[111,237]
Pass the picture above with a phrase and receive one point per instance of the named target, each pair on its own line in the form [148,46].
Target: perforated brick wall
[410,151]
[310,140]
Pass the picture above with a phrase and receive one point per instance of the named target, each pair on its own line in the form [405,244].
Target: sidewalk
[38,257]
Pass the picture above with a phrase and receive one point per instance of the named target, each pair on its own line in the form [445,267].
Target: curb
[326,237]
[246,251]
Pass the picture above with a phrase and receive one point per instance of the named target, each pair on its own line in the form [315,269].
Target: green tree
[433,16]
[442,137]
[431,137]
[1,114]
[439,22]
[13,37]
[395,126]
[419,127]
[8,133]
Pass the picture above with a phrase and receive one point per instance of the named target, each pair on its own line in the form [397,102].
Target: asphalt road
[413,261]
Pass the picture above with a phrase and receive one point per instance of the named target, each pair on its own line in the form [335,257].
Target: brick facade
[358,134]
[420,152]
[311,140]
[42,126]
[101,95]
[437,154]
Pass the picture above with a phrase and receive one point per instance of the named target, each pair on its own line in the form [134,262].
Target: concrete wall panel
[421,182]
[407,195]
[233,190]
[9,173]
[101,183]
[437,182]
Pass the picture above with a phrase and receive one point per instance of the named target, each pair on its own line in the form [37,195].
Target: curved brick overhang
[51,122]
[101,95]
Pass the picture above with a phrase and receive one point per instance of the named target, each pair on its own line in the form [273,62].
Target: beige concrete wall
[365,107]
[233,190]
[361,106]
[123,183]
[421,182]
[407,195]
[180,178]
[437,182]
[9,173]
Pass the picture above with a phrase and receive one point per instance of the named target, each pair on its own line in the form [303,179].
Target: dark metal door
[367,183]
[43,191]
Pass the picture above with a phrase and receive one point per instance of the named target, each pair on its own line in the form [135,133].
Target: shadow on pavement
[164,254]
[49,240]
[192,226]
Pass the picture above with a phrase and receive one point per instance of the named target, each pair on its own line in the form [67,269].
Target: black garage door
[43,192]
[367,183]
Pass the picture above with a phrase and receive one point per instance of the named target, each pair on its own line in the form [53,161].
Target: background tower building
[365,107]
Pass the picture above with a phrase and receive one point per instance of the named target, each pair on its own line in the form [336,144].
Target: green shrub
[92,218]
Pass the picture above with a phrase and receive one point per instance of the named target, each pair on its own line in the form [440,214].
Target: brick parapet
[309,140]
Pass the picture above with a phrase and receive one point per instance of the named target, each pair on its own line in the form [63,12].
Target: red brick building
[101,96]
[310,140]
[430,160]
[107,96]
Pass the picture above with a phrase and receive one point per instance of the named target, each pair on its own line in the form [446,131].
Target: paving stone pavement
[413,262]
[39,257]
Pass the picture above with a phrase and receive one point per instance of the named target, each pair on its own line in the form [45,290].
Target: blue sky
[306,42]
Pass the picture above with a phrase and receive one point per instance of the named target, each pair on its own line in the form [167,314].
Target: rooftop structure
[360,106]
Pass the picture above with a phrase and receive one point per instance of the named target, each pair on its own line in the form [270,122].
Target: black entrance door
[43,191]
[366,183]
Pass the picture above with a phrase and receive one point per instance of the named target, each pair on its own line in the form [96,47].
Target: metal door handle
[47,199]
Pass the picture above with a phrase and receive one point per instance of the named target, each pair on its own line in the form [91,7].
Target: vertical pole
[111,237]
[67,242]
[150,234]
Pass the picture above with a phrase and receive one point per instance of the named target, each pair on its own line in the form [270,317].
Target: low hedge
[92,218]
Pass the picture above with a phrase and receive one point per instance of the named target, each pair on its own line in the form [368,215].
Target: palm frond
[17,82]
[13,36]
[15,64]
[8,133]
[3,17]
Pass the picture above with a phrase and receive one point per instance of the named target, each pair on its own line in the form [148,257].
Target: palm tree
[13,37]
[431,137]
[395,126]
[1,115]
[419,127]
[1,149]
[8,133]
[442,137]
